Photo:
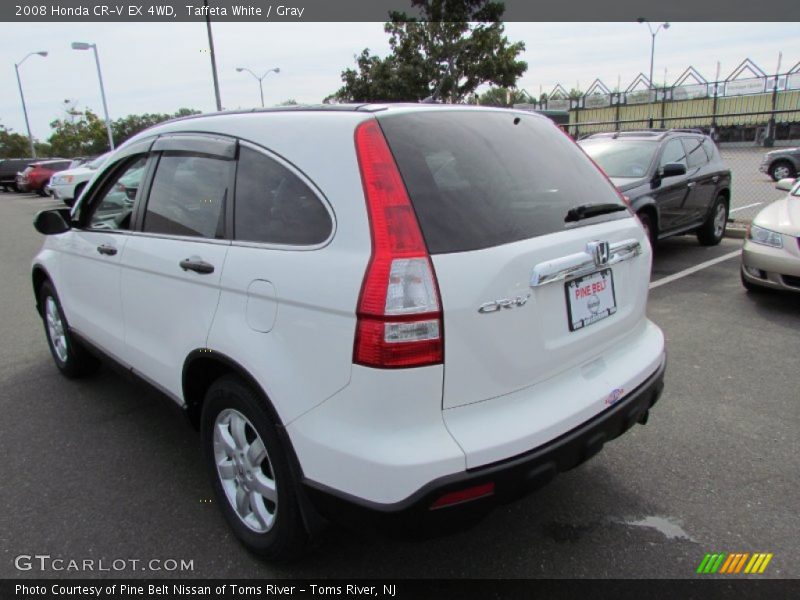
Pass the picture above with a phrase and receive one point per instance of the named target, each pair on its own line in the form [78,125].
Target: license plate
[590,299]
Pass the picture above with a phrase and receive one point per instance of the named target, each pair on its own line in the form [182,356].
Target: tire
[41,192]
[71,358]
[712,231]
[271,524]
[782,169]
[649,227]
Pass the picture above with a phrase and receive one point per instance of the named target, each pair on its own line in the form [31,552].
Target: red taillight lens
[399,311]
[473,493]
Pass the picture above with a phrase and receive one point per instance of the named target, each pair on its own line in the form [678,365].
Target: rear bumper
[512,477]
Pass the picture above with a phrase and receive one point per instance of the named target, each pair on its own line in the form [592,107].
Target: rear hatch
[493,193]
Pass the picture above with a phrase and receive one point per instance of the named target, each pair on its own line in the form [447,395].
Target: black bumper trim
[513,477]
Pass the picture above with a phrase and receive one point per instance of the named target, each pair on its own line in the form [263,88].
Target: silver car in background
[771,252]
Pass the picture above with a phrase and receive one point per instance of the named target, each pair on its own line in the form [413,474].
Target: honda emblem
[599,252]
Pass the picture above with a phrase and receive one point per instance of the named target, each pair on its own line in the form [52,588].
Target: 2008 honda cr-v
[399,312]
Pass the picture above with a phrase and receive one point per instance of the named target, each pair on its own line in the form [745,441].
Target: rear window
[482,179]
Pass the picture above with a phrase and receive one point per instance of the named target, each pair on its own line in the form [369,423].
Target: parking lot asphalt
[104,468]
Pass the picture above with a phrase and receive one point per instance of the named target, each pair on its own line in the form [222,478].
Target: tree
[575,93]
[84,133]
[129,126]
[505,97]
[78,134]
[12,144]
[456,47]
[289,102]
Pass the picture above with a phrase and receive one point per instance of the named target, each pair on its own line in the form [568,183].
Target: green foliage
[78,134]
[84,133]
[456,47]
[289,102]
[12,144]
[129,126]
[504,97]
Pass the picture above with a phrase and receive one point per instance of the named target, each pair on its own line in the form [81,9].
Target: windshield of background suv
[482,179]
[621,158]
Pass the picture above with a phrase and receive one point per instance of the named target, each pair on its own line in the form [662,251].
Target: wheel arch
[38,276]
[726,194]
[648,205]
[202,368]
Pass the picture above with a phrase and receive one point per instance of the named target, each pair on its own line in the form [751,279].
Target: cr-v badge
[502,303]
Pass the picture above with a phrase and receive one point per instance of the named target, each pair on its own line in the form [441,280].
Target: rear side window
[188,196]
[274,206]
[695,154]
[710,148]
[482,179]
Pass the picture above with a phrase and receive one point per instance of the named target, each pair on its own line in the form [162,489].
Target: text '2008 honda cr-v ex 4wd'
[401,313]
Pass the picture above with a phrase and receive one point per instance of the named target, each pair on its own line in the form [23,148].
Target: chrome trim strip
[582,263]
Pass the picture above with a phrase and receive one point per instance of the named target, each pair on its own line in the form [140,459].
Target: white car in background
[68,185]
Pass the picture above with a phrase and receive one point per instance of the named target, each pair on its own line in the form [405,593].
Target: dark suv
[675,180]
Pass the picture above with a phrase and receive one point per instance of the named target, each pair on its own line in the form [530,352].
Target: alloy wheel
[245,471]
[55,329]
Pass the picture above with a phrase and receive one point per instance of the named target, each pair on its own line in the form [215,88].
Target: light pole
[653,34]
[86,46]
[260,79]
[22,96]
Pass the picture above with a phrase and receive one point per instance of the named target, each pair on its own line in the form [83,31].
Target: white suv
[394,312]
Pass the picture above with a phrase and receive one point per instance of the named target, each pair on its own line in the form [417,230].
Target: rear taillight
[399,310]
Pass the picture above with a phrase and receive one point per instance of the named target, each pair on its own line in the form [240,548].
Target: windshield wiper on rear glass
[584,211]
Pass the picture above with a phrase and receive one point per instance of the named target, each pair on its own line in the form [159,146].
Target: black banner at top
[29,11]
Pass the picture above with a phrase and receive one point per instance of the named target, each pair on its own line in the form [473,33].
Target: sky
[161,67]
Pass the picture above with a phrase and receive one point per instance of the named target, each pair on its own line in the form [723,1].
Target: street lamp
[86,46]
[22,96]
[653,33]
[260,79]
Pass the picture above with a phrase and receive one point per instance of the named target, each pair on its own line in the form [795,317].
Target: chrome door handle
[197,265]
[107,249]
[715,178]
[691,184]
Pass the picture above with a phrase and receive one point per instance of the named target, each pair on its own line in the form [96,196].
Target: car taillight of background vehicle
[399,309]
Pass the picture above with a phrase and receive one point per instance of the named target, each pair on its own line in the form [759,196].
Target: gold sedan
[771,252]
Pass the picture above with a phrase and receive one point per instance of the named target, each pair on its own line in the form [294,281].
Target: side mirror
[673,170]
[52,222]
[785,184]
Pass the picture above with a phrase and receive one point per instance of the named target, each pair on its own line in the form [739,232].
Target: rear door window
[482,179]
[695,154]
[274,206]
[188,196]
[674,152]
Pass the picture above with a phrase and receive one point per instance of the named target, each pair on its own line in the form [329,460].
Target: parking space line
[733,210]
[694,269]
